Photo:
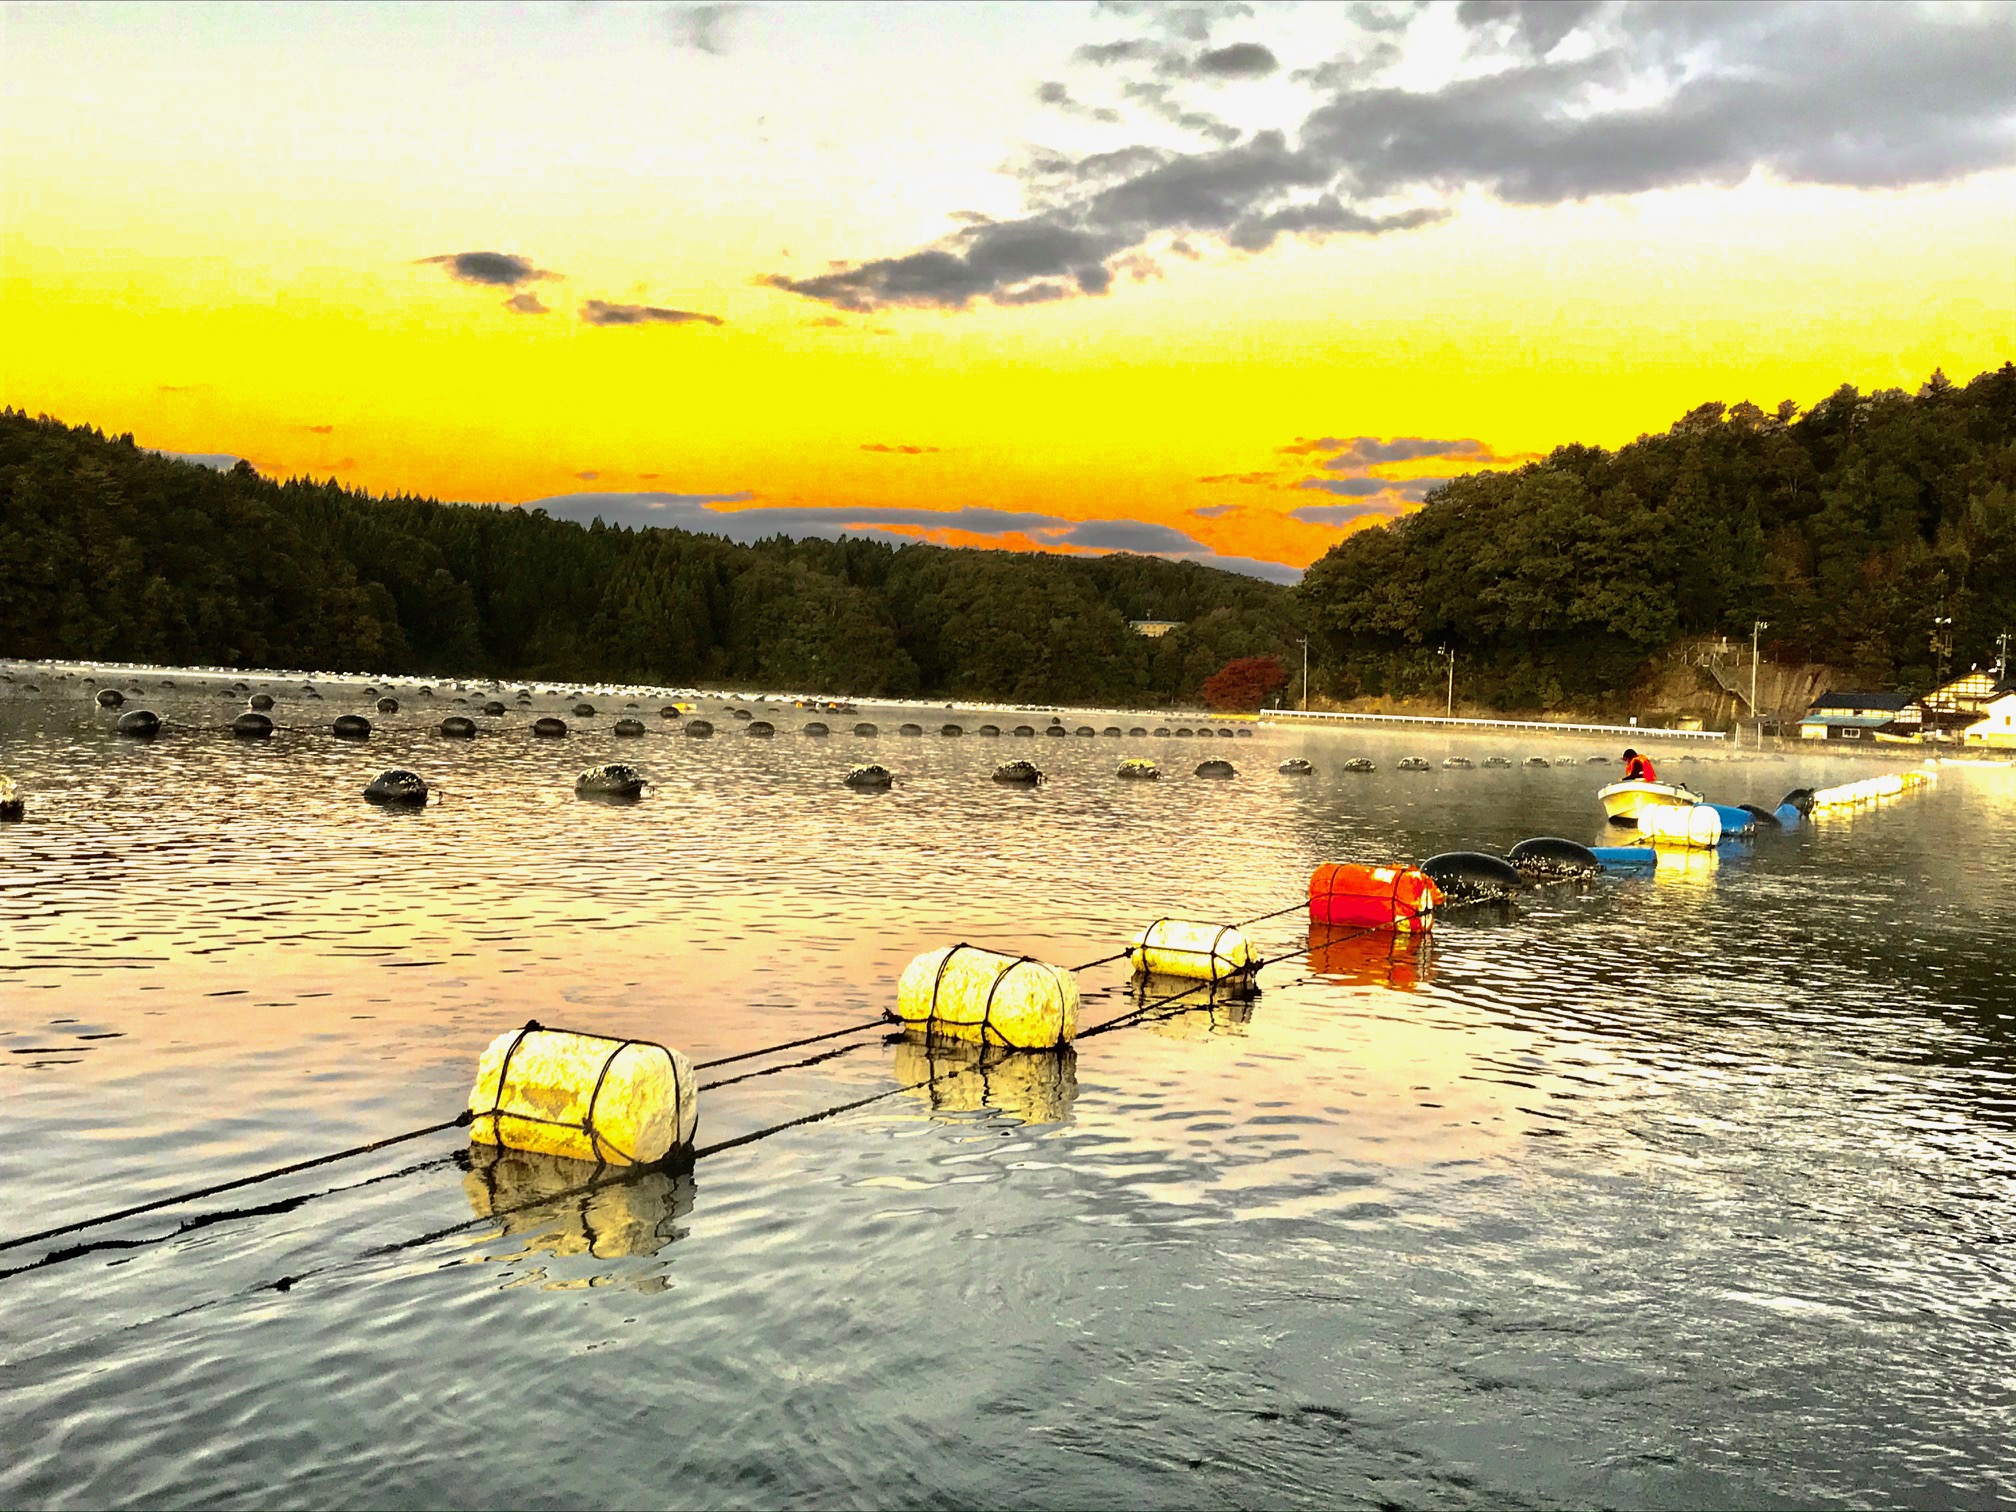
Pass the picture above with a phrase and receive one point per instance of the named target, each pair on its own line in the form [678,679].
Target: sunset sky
[1218,281]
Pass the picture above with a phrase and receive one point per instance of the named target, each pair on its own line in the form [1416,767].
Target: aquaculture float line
[543,1090]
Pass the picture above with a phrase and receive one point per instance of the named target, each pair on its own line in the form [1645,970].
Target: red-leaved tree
[1243,685]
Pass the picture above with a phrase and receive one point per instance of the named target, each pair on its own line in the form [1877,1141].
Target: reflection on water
[1665,1191]
[1185,1008]
[571,1207]
[1383,958]
[949,1076]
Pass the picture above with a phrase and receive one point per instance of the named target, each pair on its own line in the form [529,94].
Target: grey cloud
[704,28]
[1340,514]
[700,513]
[1368,451]
[217,461]
[504,270]
[1190,23]
[1668,95]
[1415,489]
[1059,97]
[1213,511]
[526,303]
[1130,535]
[1241,60]
[598,313]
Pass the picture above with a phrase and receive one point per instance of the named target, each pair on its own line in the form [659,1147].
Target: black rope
[810,1060]
[810,1039]
[460,1121]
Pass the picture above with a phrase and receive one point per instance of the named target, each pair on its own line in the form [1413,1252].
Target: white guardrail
[1542,726]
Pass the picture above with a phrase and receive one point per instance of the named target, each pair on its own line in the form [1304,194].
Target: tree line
[110,552]
[1853,529]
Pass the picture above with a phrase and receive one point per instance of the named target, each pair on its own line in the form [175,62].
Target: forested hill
[1850,528]
[110,552]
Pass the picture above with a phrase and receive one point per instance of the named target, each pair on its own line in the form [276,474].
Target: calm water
[1694,1190]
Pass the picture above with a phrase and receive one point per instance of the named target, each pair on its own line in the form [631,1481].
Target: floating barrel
[141,724]
[388,706]
[1025,730]
[1216,769]
[741,714]
[584,711]
[252,727]
[1536,761]
[868,777]
[585,1097]
[670,711]
[351,727]
[493,708]
[864,729]
[1019,773]
[459,727]
[1412,764]
[612,781]
[397,786]
[990,731]
[1111,732]
[1377,897]
[261,700]
[1138,769]
[816,728]
[1497,762]
[424,691]
[1457,763]
[110,698]
[1243,733]
[1626,857]
[1295,766]
[1205,952]
[1561,761]
[629,729]
[698,729]
[1737,822]
[549,728]
[1550,856]
[1182,732]
[966,993]
[762,729]
[12,804]
[1162,730]
[950,731]
[1695,824]
[1360,764]
[1137,732]
[1085,730]
[911,729]
[1204,735]
[1473,877]
[1059,732]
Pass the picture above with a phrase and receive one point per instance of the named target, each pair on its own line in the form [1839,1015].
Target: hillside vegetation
[1850,528]
[111,552]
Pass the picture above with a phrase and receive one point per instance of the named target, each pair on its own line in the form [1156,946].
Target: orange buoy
[1372,897]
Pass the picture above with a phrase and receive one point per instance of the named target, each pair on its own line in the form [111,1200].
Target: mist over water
[1683,1190]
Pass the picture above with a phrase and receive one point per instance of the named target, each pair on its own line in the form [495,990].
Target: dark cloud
[217,461]
[1215,511]
[906,451]
[1662,96]
[504,270]
[704,28]
[700,513]
[526,303]
[1059,97]
[598,313]
[1242,60]
[1340,514]
[1370,451]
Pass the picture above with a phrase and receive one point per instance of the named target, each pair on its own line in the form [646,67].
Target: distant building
[1997,725]
[1860,716]
[1964,700]
[1155,629]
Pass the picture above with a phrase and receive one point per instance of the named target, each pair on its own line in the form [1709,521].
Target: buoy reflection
[1401,959]
[1030,1086]
[569,1207]
[1185,1008]
[1686,866]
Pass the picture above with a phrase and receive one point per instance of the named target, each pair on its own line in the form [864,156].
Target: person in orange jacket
[1638,768]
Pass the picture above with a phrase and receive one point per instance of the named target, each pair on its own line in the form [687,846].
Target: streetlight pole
[1755,628]
[1305,674]
[1449,708]
[1942,647]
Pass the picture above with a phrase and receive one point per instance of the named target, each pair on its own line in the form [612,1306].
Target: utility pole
[1449,709]
[1755,628]
[1942,647]
[2002,657]
[1305,674]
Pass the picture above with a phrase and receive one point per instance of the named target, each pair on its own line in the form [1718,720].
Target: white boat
[1622,801]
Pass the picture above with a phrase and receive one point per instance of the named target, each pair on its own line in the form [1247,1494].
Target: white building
[1997,727]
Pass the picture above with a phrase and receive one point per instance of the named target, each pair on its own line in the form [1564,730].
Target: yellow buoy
[613,1101]
[964,992]
[1697,825]
[1206,952]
